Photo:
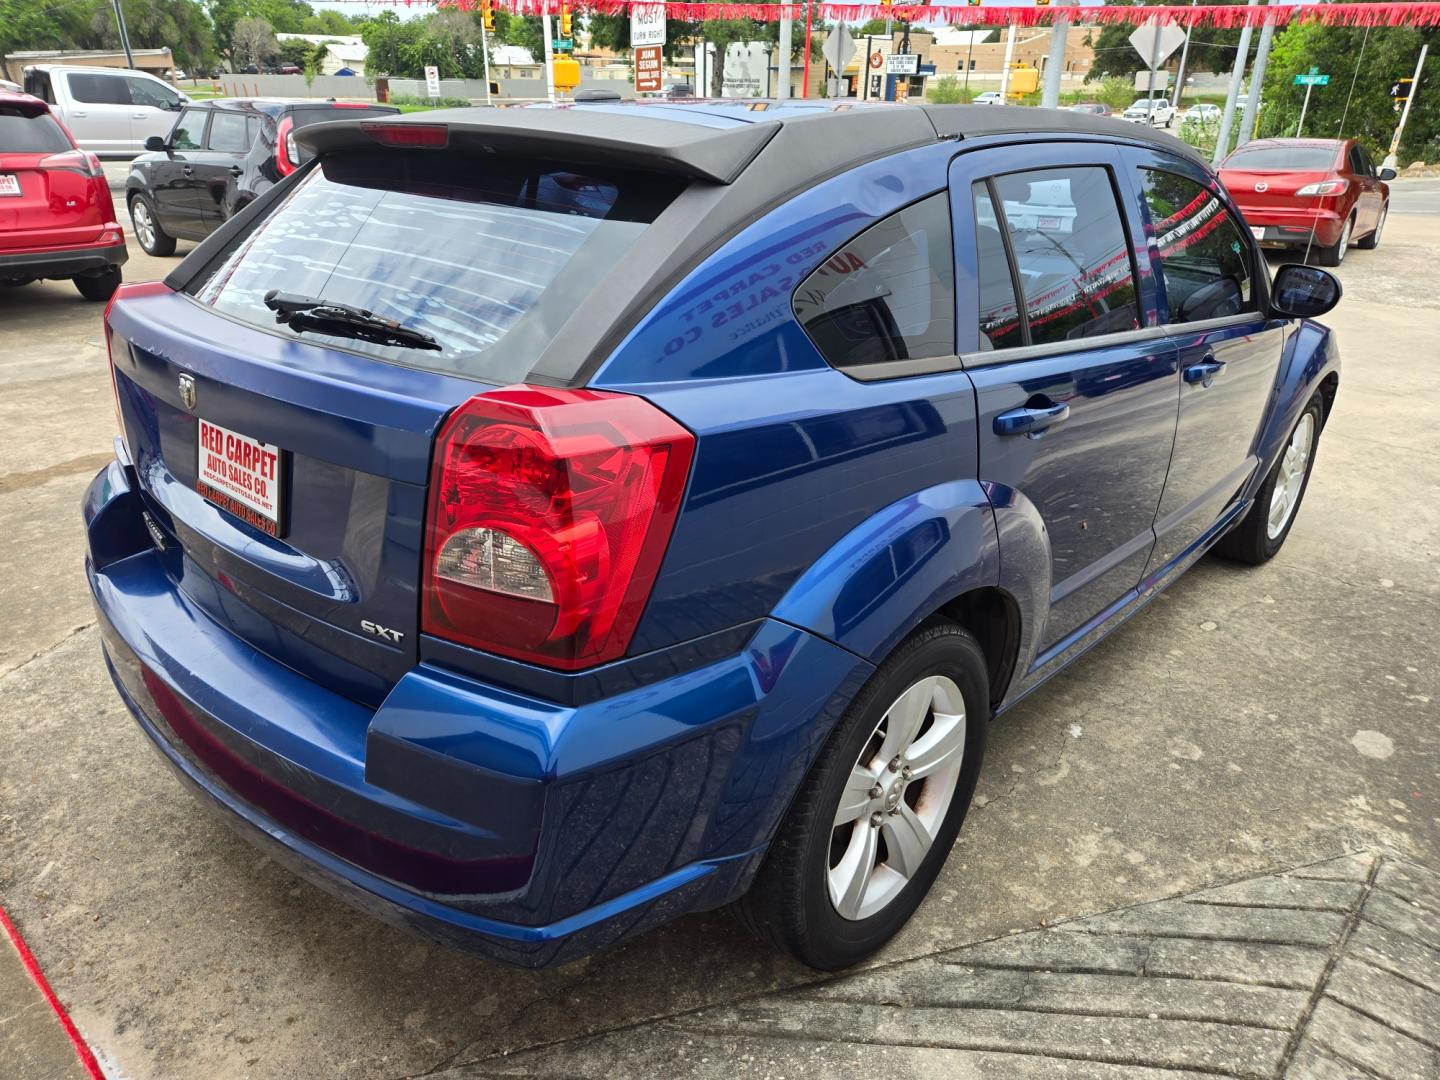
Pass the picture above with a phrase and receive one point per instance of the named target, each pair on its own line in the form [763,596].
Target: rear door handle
[1204,372]
[137,116]
[1031,419]
[236,171]
[188,170]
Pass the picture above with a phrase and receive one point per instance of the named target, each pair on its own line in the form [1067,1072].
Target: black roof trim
[975,121]
[578,136]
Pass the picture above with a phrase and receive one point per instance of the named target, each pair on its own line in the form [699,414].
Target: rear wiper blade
[302,313]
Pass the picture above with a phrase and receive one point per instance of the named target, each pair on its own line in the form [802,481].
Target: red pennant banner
[1225,16]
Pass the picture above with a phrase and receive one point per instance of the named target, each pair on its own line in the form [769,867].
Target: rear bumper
[1291,228]
[62,262]
[531,832]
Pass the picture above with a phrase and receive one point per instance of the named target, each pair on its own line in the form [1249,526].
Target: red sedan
[1316,194]
[56,216]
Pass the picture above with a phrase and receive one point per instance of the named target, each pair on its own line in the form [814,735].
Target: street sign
[647,25]
[1143,41]
[1312,80]
[648,70]
[902,64]
[562,44]
[432,80]
[839,48]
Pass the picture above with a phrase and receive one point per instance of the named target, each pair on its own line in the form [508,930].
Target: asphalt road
[1250,721]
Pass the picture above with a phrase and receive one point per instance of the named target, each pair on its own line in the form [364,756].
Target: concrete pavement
[1251,721]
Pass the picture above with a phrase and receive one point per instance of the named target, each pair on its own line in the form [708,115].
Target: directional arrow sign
[839,48]
[1143,41]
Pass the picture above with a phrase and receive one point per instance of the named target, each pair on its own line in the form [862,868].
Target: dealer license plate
[9,184]
[242,476]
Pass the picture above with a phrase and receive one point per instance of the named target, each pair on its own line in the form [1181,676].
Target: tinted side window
[228,133]
[888,294]
[145,92]
[999,314]
[1203,253]
[1071,252]
[98,89]
[189,130]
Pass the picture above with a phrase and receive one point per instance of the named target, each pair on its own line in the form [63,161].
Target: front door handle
[137,116]
[188,170]
[236,171]
[1204,372]
[1031,419]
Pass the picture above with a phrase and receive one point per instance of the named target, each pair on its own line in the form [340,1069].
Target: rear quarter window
[487,257]
[21,134]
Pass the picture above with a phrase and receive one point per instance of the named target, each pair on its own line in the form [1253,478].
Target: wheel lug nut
[894,765]
[876,791]
[875,819]
[906,773]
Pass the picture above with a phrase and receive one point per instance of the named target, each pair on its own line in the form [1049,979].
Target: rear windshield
[487,257]
[1283,158]
[21,134]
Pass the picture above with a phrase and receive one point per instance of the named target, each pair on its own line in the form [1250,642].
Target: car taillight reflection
[549,513]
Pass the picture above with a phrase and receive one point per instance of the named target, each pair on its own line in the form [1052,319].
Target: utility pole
[1059,36]
[1392,159]
[784,62]
[1009,56]
[124,35]
[1184,58]
[970,57]
[1257,79]
[1237,77]
[549,60]
[485,52]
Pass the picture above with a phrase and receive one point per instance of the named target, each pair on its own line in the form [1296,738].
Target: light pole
[1237,77]
[1184,57]
[124,35]
[1392,159]
[784,62]
[1257,78]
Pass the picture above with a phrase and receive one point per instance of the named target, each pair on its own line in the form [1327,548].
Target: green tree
[1367,114]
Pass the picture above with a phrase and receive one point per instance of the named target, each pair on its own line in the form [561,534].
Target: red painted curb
[32,966]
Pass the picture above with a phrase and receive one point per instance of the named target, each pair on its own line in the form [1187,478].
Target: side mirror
[155,142]
[1303,292]
[1387,174]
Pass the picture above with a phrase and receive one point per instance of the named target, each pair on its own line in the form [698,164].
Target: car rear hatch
[285,466]
[1271,177]
[48,196]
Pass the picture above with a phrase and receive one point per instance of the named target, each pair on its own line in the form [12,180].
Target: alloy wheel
[896,797]
[1345,240]
[144,223]
[1291,476]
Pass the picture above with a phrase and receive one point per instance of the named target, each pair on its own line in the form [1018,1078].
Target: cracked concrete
[1216,743]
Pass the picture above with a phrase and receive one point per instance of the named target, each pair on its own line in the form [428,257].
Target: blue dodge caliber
[533,525]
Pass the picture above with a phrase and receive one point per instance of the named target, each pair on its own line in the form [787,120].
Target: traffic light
[974,3]
[887,3]
[564,20]
[1042,3]
[487,15]
[1400,88]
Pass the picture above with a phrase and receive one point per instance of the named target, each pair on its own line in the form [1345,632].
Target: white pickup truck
[110,111]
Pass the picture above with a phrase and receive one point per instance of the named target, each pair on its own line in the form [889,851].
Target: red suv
[1291,188]
[56,216]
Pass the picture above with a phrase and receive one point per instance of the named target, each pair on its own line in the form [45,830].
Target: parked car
[109,111]
[989,97]
[287,68]
[1157,112]
[56,217]
[1316,195]
[1204,113]
[220,155]
[533,525]
[1094,108]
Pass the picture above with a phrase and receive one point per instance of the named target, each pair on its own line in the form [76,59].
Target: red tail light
[433,136]
[549,513]
[132,291]
[287,154]
[81,161]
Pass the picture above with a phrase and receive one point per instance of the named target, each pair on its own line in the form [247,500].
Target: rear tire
[153,240]
[99,286]
[1262,532]
[1371,242]
[910,704]
[1334,255]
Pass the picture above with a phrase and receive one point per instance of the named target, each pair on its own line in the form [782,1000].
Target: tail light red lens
[131,291]
[287,154]
[1325,187]
[80,161]
[549,513]
[432,136]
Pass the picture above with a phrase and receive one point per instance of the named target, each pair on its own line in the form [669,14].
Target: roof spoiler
[573,136]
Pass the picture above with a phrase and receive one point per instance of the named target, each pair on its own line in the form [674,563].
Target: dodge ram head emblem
[187,390]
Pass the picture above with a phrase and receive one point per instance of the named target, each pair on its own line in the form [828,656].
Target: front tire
[152,238]
[1262,532]
[1371,242]
[878,813]
[99,286]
